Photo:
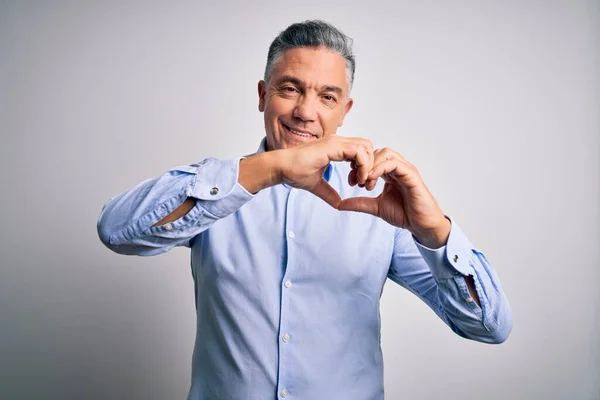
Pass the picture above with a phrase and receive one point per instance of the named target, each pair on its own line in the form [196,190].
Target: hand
[405,201]
[302,167]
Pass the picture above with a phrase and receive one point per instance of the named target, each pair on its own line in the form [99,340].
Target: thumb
[324,190]
[369,205]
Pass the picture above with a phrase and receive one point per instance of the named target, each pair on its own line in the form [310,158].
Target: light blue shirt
[287,288]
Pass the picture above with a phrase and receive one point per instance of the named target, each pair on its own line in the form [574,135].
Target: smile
[297,133]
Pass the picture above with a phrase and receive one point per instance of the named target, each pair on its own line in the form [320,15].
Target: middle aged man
[287,281]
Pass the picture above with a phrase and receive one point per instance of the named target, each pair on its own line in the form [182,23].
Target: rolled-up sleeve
[437,276]
[125,224]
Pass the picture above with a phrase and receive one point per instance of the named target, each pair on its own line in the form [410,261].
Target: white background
[496,103]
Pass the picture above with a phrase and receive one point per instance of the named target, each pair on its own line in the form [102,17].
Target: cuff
[451,259]
[216,187]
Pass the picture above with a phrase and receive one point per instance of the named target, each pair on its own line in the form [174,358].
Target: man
[288,275]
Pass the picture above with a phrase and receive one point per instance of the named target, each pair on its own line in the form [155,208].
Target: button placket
[290,238]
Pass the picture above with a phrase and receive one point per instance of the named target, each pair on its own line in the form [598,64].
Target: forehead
[314,66]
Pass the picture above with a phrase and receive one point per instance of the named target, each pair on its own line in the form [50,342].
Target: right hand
[302,167]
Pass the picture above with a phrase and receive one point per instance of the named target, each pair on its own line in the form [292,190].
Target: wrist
[435,238]
[260,171]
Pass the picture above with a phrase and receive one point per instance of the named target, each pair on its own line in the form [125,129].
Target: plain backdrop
[496,103]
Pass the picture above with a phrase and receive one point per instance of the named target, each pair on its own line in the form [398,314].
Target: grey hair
[312,33]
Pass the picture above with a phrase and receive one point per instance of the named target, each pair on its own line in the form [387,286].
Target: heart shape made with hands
[405,201]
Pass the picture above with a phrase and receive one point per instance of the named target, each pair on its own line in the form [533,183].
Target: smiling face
[305,98]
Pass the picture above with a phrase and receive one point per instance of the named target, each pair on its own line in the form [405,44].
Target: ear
[347,109]
[261,95]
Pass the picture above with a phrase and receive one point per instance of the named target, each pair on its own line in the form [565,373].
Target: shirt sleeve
[437,276]
[125,224]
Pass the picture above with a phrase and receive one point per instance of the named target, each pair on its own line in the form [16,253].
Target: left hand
[405,201]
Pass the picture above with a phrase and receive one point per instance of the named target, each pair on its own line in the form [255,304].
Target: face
[306,97]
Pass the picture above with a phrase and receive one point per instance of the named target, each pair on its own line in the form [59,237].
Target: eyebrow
[298,82]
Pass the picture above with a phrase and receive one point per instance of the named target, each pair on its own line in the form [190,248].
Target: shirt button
[214,191]
[168,227]
[283,393]
[286,338]
[469,300]
[291,234]
[288,283]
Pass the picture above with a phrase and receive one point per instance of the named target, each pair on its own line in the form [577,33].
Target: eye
[329,98]
[289,89]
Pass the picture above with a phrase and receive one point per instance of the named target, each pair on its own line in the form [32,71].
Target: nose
[306,109]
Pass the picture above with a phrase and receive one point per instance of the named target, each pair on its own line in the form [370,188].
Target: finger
[371,162]
[357,149]
[352,179]
[397,155]
[388,153]
[382,155]
[327,193]
[369,205]
[371,183]
[364,163]
[393,167]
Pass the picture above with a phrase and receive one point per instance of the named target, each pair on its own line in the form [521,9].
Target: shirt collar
[263,148]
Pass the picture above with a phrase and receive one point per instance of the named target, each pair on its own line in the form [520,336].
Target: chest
[289,233]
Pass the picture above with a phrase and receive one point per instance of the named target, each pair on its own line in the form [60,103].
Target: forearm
[469,292]
[485,318]
[260,171]
[438,238]
[179,212]
[138,221]
[168,211]
[470,282]
[457,282]
[435,238]
[256,172]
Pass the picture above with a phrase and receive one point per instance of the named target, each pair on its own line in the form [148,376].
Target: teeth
[298,133]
